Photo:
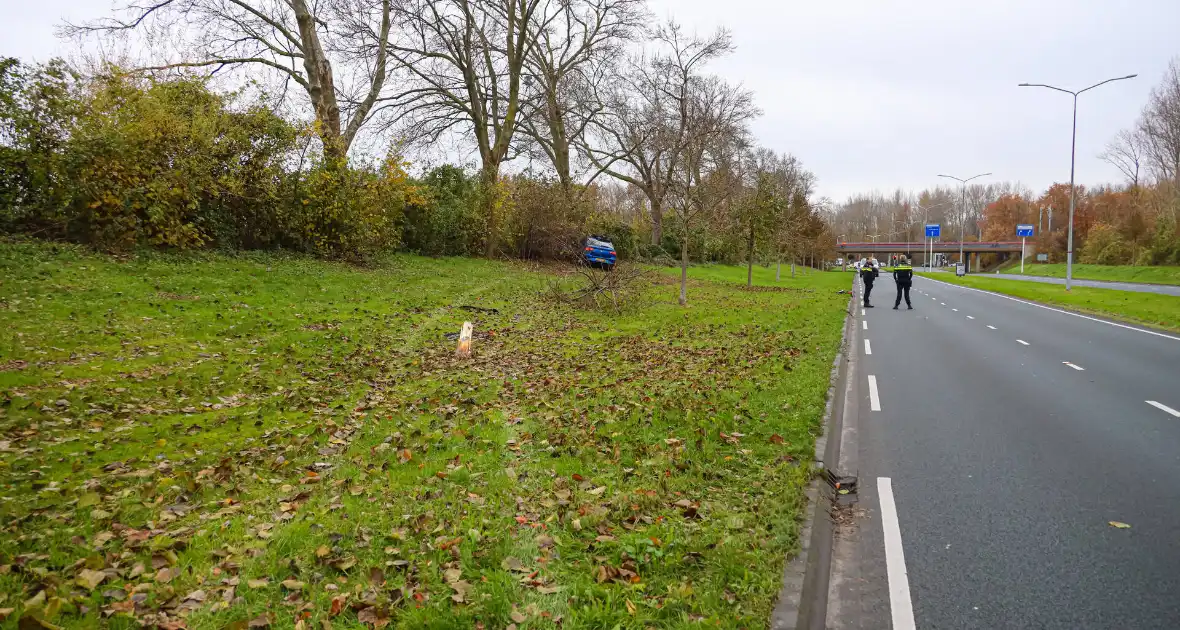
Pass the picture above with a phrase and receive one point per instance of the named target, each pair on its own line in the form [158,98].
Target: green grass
[1109,273]
[216,439]
[1151,309]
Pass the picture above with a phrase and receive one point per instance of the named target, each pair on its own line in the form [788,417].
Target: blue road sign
[1025,229]
[932,230]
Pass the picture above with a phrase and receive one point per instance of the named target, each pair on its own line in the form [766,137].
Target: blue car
[598,251]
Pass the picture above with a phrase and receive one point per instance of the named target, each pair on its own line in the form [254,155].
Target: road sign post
[932,231]
[1023,230]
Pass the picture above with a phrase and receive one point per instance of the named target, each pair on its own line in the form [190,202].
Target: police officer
[903,277]
[867,275]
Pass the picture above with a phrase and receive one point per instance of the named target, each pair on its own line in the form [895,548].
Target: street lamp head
[1130,76]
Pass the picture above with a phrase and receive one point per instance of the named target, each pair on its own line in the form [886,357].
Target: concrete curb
[802,601]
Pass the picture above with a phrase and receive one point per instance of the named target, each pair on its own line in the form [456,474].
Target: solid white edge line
[901,607]
[990,326]
[1163,407]
[1057,310]
[1076,367]
[874,398]
[864,325]
[868,348]
[1022,342]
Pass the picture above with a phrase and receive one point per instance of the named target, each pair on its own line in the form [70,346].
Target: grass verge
[1157,311]
[1108,273]
[265,441]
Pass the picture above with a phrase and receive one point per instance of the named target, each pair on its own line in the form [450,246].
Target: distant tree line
[1133,222]
[250,123]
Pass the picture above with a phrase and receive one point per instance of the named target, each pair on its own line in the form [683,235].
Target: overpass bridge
[917,251]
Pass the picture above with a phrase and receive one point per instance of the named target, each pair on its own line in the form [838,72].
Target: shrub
[1105,246]
[446,222]
[351,213]
[543,219]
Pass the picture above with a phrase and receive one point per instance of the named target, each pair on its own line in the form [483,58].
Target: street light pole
[963,221]
[1073,146]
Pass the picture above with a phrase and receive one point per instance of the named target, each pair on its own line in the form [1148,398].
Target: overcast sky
[876,94]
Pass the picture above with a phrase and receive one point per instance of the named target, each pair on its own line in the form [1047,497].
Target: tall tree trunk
[684,270]
[321,85]
[750,258]
[490,199]
[657,221]
[778,270]
[792,266]
[561,145]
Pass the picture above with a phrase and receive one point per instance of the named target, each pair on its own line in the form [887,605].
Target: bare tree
[466,59]
[297,42]
[643,131]
[573,53]
[1160,126]
[1125,152]
[713,117]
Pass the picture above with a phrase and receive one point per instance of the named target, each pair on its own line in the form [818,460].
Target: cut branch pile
[615,289]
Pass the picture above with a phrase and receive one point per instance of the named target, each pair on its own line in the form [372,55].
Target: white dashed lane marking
[874,398]
[901,607]
[1163,407]
[868,348]
[1022,342]
[864,325]
[990,326]
[970,317]
[1076,367]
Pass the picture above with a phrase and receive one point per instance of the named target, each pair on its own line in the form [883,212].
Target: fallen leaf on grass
[630,607]
[597,491]
[776,439]
[257,583]
[90,578]
[517,616]
[5,612]
[29,622]
[89,499]
[1119,525]
[338,604]
[373,617]
[512,564]
[165,575]
[461,588]
[293,585]
[261,621]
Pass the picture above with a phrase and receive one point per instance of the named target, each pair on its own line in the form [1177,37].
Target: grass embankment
[1108,273]
[1151,309]
[205,442]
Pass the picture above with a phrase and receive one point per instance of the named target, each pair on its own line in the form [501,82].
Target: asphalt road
[1010,435]
[1138,287]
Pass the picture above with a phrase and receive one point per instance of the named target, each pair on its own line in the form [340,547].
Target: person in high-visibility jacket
[903,277]
[868,274]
